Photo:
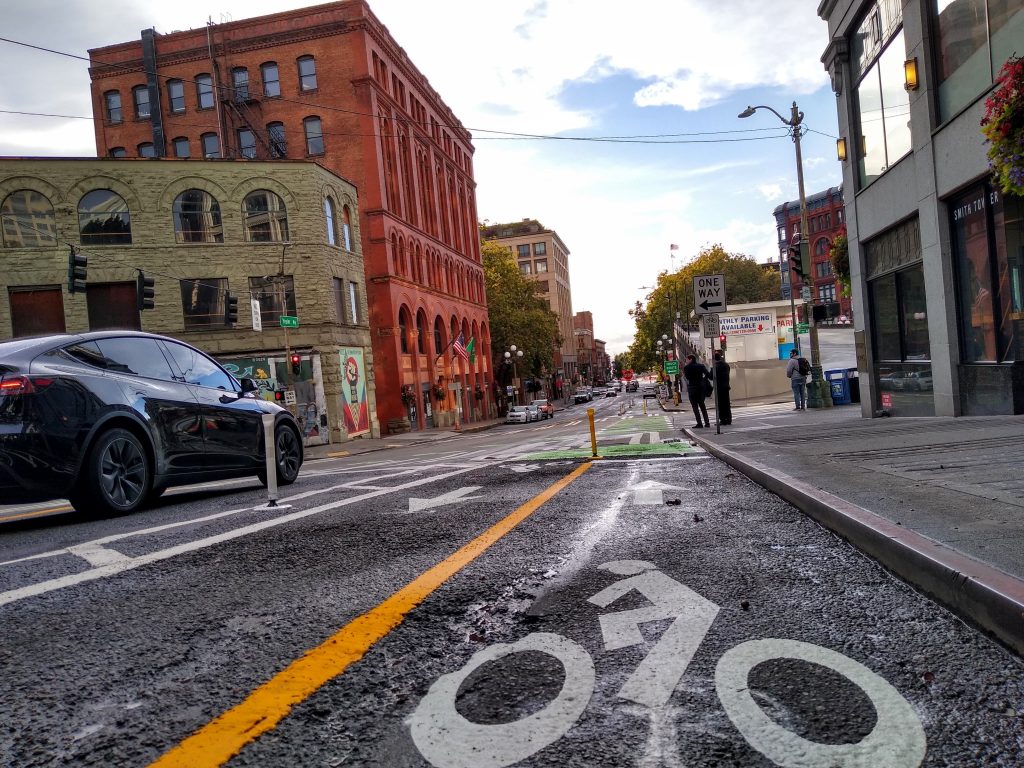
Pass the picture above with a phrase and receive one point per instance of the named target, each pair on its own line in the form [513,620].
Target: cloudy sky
[673,72]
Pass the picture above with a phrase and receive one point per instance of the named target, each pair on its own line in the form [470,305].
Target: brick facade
[149,189]
[329,83]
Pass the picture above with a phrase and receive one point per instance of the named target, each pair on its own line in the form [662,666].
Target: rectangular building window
[112,305]
[523,251]
[307,73]
[271,80]
[541,266]
[540,249]
[176,95]
[181,147]
[140,95]
[211,145]
[146,149]
[247,143]
[276,295]
[353,302]
[240,82]
[338,289]
[524,267]
[112,99]
[275,136]
[204,91]
[314,136]
[202,302]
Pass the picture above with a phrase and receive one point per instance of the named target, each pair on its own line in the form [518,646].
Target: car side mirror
[248,385]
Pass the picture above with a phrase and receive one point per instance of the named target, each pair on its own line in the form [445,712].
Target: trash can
[853,379]
[840,386]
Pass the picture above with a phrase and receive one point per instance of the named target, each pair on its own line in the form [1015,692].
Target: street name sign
[709,294]
[802,328]
[289,321]
[711,325]
[257,317]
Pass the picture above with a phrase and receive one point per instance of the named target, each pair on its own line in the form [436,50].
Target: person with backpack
[796,371]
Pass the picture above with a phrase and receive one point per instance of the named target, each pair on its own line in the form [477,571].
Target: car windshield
[518,408]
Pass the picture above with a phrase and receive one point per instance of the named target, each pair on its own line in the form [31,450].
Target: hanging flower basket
[1003,126]
[438,393]
[839,255]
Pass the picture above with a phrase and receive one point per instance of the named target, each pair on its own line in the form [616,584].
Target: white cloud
[770,192]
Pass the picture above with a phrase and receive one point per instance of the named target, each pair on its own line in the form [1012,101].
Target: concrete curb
[973,590]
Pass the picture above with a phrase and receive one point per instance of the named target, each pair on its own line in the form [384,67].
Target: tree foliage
[518,313]
[839,255]
[746,282]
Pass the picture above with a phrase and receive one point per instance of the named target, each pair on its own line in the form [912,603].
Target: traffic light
[296,362]
[800,260]
[278,395]
[721,340]
[230,309]
[145,292]
[78,267]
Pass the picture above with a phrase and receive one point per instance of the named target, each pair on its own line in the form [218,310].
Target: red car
[547,410]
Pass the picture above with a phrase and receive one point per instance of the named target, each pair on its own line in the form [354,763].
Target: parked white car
[518,414]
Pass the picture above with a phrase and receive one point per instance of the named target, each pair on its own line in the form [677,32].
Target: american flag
[460,348]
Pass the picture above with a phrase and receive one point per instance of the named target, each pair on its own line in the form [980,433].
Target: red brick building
[329,84]
[825,220]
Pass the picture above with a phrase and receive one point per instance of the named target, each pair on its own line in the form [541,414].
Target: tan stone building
[544,258]
[280,236]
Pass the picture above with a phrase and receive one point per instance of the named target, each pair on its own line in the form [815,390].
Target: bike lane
[616,627]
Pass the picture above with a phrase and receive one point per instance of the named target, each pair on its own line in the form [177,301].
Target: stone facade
[329,83]
[149,189]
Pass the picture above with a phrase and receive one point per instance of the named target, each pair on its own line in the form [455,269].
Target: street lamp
[512,355]
[815,398]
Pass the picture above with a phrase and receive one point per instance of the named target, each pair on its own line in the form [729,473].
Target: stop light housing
[296,364]
[721,340]
[230,309]
[145,292]
[800,259]
[278,395]
[78,268]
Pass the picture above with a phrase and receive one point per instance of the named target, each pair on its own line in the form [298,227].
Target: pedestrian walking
[698,387]
[796,371]
[722,382]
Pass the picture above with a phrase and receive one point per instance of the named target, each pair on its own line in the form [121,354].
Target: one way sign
[709,294]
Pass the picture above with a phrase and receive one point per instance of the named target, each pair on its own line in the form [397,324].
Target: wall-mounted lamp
[841,149]
[910,81]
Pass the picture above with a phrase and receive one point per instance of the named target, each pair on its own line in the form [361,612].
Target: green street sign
[287,321]
[671,367]
[802,328]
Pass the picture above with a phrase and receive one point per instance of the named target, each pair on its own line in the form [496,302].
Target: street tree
[746,282]
[518,313]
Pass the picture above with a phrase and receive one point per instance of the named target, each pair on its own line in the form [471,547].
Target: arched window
[104,219]
[266,220]
[403,331]
[146,149]
[197,218]
[118,152]
[346,228]
[421,332]
[332,238]
[438,336]
[27,221]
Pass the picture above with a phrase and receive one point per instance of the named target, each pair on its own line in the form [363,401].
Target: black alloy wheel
[116,475]
[288,453]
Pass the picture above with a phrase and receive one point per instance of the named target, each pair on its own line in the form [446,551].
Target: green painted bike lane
[629,437]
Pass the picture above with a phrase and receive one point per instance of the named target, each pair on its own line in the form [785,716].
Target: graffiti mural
[354,407]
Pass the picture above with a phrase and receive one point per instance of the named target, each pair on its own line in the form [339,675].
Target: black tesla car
[110,419]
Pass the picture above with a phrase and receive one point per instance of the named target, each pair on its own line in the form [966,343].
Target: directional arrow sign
[650,492]
[462,494]
[709,294]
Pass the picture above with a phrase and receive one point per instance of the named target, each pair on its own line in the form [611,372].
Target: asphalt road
[469,603]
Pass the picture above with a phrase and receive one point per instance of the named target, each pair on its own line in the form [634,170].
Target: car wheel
[116,476]
[288,454]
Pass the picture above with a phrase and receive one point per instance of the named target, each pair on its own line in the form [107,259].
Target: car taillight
[23,385]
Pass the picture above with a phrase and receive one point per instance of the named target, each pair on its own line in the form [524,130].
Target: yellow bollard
[645,406]
[593,433]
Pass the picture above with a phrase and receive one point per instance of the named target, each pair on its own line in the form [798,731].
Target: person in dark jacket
[722,384]
[697,376]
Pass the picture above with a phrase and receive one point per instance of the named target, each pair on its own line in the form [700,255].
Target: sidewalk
[938,501]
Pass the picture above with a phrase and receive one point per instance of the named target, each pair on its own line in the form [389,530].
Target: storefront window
[886,321]
[988,250]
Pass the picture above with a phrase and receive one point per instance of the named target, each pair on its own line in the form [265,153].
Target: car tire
[287,454]
[116,476]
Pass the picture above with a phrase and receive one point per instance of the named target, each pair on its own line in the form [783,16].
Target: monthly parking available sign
[739,325]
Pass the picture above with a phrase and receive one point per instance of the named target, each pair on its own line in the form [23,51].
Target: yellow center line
[225,736]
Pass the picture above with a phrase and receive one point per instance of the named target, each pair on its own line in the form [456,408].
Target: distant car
[895,381]
[580,396]
[547,410]
[534,411]
[611,392]
[918,381]
[649,390]
[632,385]
[109,419]
[518,414]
